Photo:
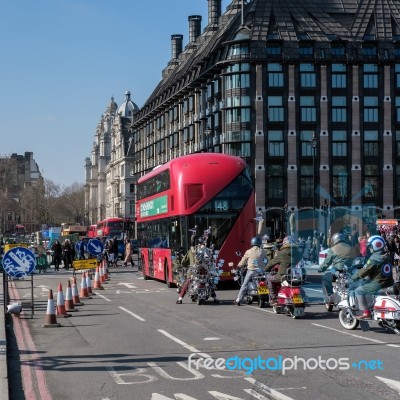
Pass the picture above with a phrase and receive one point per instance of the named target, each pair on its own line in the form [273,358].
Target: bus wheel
[169,284]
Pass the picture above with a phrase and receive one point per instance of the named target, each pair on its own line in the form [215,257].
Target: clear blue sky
[62,60]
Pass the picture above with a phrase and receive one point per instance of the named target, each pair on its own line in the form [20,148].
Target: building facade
[21,185]
[308,93]
[109,181]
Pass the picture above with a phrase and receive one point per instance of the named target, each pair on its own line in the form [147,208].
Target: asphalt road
[131,341]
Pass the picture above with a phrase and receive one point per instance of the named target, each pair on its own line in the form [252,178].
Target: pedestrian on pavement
[57,254]
[128,253]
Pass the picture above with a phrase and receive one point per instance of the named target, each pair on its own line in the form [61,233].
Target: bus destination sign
[156,206]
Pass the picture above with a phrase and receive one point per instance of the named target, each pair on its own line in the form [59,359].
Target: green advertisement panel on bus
[156,206]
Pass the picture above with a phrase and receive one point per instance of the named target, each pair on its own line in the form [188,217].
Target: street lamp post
[314,148]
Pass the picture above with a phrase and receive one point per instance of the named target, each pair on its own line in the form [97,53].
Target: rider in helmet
[378,269]
[287,256]
[340,254]
[254,258]
[269,246]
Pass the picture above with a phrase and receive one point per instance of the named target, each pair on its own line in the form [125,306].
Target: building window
[397,154]
[305,143]
[307,76]
[339,143]
[308,111]
[306,181]
[371,180]
[306,49]
[237,81]
[371,144]
[369,50]
[397,106]
[339,79]
[339,182]
[370,76]
[238,49]
[397,74]
[339,109]
[275,109]
[274,49]
[397,181]
[275,181]
[275,75]
[276,145]
[338,50]
[370,109]
[236,115]
[237,101]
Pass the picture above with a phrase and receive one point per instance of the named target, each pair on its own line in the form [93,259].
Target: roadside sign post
[19,262]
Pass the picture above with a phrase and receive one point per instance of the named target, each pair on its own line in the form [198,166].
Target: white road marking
[271,392]
[356,336]
[212,338]
[183,344]
[391,383]
[128,285]
[196,374]
[103,297]
[122,291]
[261,309]
[132,313]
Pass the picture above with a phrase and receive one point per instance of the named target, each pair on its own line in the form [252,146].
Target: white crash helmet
[376,243]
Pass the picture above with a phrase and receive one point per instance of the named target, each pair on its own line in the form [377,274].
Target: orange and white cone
[89,283]
[69,303]
[97,283]
[84,291]
[105,270]
[50,320]
[101,274]
[75,295]
[61,310]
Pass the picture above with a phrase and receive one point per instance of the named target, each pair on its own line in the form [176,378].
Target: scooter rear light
[296,291]
[262,283]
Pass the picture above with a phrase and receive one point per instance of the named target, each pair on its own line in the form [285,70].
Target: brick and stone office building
[308,93]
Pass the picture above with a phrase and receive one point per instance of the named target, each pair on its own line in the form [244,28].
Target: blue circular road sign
[19,262]
[95,247]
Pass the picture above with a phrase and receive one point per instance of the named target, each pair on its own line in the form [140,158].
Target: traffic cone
[50,320]
[75,295]
[89,283]
[84,292]
[105,270]
[101,274]
[61,310]
[69,303]
[97,283]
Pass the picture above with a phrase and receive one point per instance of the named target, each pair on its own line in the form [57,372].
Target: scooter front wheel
[348,320]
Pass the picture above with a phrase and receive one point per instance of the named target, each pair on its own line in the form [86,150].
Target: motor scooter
[384,309]
[340,284]
[291,297]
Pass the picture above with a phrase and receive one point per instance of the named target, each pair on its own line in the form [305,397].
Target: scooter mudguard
[343,304]
[386,307]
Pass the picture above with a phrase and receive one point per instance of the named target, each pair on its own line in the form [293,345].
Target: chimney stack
[176,42]
[214,12]
[194,28]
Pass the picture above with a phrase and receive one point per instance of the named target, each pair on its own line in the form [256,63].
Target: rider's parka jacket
[378,269]
[287,255]
[339,255]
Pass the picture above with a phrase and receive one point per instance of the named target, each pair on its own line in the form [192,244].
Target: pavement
[3,347]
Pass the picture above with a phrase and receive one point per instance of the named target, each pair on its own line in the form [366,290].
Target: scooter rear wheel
[348,320]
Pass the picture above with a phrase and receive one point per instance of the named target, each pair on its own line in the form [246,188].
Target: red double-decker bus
[110,227]
[203,190]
